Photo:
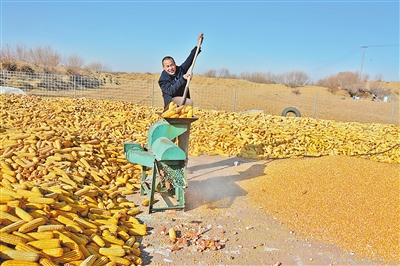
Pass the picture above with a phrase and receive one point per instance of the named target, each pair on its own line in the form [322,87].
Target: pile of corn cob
[175,111]
[63,170]
[64,181]
[261,136]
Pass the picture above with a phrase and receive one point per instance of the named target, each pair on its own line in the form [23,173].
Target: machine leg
[144,176]
[153,187]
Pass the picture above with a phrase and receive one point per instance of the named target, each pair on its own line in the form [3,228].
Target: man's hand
[200,38]
[188,76]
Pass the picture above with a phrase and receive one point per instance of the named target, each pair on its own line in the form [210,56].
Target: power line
[351,53]
[368,46]
[382,45]
[345,56]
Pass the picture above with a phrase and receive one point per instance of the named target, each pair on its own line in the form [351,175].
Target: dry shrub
[9,66]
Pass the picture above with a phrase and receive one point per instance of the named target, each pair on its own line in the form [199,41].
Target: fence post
[315,105]
[391,117]
[152,97]
[234,99]
[74,86]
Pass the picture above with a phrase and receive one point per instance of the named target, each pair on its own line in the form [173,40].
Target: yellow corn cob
[119,260]
[130,241]
[113,240]
[133,220]
[106,221]
[99,211]
[69,223]
[145,202]
[133,211]
[51,227]
[98,240]
[79,239]
[110,263]
[132,251]
[13,226]
[53,252]
[19,255]
[13,203]
[171,106]
[172,234]
[41,235]
[11,239]
[82,191]
[84,223]
[89,232]
[4,208]
[85,252]
[85,163]
[101,261]
[33,206]
[67,199]
[19,263]
[21,213]
[116,251]
[69,256]
[45,244]
[24,236]
[65,240]
[5,168]
[4,247]
[123,235]
[168,113]
[12,193]
[26,247]
[28,193]
[138,230]
[89,261]
[46,262]
[92,248]
[10,217]
[32,225]
[41,200]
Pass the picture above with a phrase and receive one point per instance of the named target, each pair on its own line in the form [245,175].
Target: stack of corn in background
[64,177]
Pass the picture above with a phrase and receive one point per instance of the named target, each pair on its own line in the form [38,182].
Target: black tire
[291,110]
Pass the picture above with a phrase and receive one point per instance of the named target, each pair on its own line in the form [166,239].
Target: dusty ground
[218,208]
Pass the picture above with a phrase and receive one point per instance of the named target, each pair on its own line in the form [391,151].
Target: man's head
[168,64]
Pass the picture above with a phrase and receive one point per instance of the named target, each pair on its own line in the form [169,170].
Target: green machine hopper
[166,154]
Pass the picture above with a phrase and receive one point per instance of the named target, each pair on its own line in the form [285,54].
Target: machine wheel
[291,110]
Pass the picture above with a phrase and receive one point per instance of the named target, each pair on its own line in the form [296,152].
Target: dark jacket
[174,85]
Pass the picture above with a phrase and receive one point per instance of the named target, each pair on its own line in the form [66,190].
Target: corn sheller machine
[166,155]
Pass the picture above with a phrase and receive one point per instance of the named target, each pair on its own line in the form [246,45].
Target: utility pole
[362,61]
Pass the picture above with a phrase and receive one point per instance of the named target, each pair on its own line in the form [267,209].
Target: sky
[320,38]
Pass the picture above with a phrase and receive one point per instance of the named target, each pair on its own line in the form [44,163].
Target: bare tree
[350,81]
[295,78]
[95,66]
[45,57]
[211,73]
[22,53]
[7,53]
[73,63]
[224,73]
[330,82]
[259,77]
[376,86]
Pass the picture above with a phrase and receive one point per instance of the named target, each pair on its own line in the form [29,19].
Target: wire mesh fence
[214,97]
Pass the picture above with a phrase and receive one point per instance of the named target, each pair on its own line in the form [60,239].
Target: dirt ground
[218,210]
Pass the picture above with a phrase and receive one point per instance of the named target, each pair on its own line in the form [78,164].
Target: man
[173,78]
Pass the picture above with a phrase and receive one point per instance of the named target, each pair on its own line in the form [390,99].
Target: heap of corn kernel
[350,202]
[68,153]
